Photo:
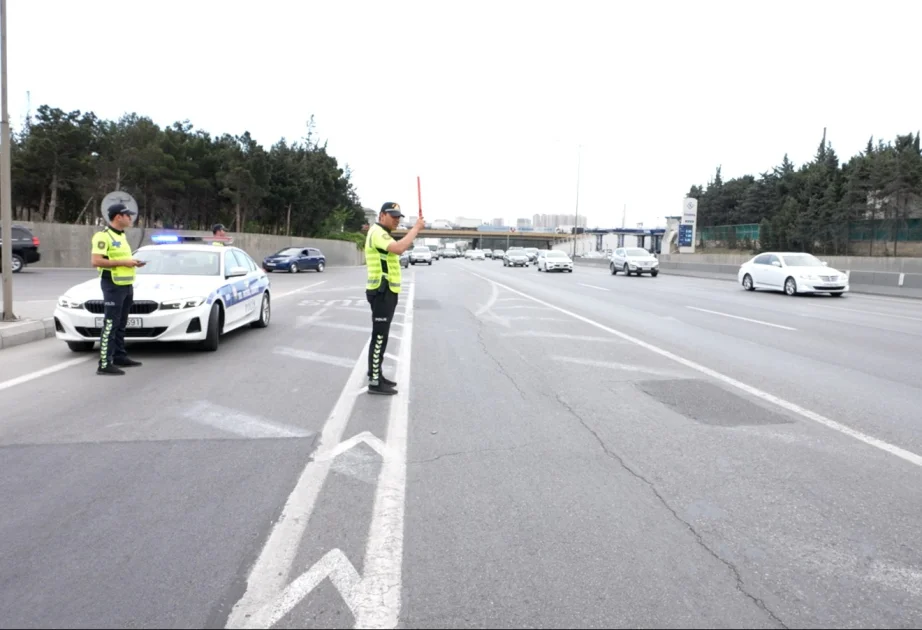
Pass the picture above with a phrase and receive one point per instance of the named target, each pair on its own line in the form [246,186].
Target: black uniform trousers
[383,303]
[118,300]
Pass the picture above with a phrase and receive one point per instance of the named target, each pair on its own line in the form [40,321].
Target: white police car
[189,290]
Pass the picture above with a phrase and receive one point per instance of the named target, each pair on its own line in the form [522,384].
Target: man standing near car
[112,256]
[382,258]
[218,230]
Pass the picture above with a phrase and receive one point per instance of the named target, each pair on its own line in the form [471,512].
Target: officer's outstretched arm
[398,247]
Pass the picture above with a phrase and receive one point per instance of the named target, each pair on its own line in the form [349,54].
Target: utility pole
[579,161]
[6,195]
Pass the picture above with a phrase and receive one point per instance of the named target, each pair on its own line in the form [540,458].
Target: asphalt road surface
[567,450]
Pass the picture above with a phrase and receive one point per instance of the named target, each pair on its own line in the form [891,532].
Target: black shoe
[109,369]
[382,389]
[385,381]
[126,362]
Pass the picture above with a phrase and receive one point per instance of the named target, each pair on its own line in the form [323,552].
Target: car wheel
[627,271]
[320,267]
[18,263]
[747,283]
[654,273]
[614,270]
[212,339]
[293,268]
[81,346]
[265,312]
[790,286]
[430,263]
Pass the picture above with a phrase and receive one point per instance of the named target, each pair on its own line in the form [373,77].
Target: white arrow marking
[362,438]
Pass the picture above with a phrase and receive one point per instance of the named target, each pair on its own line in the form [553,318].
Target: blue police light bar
[164,238]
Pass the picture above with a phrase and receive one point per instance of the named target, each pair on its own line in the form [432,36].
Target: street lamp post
[6,195]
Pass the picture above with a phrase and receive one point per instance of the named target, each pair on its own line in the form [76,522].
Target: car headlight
[66,302]
[183,303]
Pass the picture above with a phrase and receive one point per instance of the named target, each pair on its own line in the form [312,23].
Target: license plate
[133,322]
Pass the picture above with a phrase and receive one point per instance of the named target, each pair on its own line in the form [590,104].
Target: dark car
[295,259]
[25,248]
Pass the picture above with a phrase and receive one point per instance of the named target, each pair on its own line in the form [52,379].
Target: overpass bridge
[493,239]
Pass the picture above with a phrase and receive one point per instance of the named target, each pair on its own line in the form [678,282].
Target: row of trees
[64,163]
[816,207]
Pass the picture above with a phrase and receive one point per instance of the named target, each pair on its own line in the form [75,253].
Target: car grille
[829,278]
[129,333]
[141,307]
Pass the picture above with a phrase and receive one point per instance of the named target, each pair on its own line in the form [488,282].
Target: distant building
[523,223]
[371,215]
[498,222]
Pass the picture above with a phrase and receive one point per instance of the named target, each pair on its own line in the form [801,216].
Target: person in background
[218,230]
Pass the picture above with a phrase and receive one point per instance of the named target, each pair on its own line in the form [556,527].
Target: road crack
[502,369]
[740,585]
[476,451]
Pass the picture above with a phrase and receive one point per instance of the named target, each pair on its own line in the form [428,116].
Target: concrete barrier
[877,276]
[64,245]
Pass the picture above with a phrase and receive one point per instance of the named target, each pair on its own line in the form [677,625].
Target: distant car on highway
[793,273]
[498,254]
[25,248]
[515,258]
[188,291]
[532,254]
[633,260]
[475,254]
[554,260]
[404,260]
[421,254]
[295,259]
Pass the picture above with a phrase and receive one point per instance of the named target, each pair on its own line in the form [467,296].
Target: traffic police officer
[218,230]
[382,257]
[112,256]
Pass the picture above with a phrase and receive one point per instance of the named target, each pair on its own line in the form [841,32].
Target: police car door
[235,278]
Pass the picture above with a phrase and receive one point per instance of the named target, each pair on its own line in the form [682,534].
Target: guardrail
[860,281]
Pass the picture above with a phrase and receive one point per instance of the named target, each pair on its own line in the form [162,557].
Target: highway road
[578,450]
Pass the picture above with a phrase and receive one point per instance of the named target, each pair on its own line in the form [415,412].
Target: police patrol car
[189,290]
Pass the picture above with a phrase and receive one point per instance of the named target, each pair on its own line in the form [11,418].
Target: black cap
[117,209]
[392,209]
[217,227]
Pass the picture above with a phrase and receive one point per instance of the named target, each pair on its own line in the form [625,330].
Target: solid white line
[268,576]
[551,335]
[233,421]
[278,296]
[908,456]
[745,319]
[307,355]
[519,307]
[592,286]
[31,376]
[378,600]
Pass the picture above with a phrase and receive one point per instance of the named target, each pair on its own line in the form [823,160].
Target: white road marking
[515,299]
[519,307]
[494,295]
[338,326]
[745,319]
[31,376]
[615,366]
[551,335]
[268,576]
[307,355]
[877,313]
[375,598]
[303,321]
[279,296]
[245,425]
[592,286]
[364,437]
[903,454]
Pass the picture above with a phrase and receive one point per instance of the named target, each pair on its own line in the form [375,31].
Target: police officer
[382,257]
[112,256]
[218,230]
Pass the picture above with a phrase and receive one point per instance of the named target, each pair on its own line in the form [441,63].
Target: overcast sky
[488,101]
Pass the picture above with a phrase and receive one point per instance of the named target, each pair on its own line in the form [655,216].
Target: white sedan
[554,260]
[185,292]
[793,273]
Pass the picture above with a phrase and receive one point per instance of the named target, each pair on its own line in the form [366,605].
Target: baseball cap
[216,227]
[392,209]
[117,209]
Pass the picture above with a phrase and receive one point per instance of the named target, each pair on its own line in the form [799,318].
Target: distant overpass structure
[503,237]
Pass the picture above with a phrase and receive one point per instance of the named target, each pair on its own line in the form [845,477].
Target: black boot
[385,381]
[381,389]
[127,362]
[110,370]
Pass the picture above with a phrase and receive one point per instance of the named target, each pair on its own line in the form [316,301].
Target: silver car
[421,254]
[515,258]
[633,260]
[554,260]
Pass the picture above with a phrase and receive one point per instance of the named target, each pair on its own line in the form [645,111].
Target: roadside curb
[26,331]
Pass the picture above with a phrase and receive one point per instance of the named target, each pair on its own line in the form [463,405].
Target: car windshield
[172,262]
[531,250]
[637,252]
[802,260]
[289,251]
[421,250]
[556,254]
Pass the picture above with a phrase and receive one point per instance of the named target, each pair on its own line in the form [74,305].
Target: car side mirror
[825,264]
[776,263]
[236,272]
